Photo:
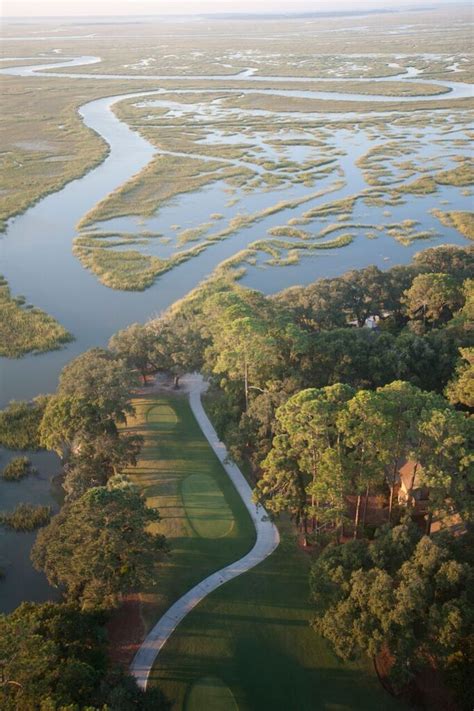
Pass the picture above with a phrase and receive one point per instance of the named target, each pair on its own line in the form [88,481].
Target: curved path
[266,542]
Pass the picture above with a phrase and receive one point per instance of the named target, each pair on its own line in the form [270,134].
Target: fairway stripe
[266,542]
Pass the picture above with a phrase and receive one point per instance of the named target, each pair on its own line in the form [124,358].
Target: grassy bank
[47,147]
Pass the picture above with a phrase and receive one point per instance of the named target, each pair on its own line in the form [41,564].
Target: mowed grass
[203,518]
[206,507]
[254,636]
[211,694]
[249,645]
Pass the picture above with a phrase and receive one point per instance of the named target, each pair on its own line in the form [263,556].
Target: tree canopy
[333,441]
[97,377]
[461,388]
[403,592]
[433,298]
[53,657]
[99,546]
[305,471]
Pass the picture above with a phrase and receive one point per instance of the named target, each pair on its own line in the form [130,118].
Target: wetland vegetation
[19,424]
[25,328]
[462,221]
[16,469]
[26,517]
[47,148]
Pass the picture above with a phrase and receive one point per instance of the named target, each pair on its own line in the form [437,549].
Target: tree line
[98,547]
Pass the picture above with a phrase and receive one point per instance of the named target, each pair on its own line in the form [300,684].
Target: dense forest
[348,403]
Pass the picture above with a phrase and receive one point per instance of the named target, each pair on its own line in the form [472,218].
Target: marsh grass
[343,206]
[19,423]
[164,178]
[403,231]
[26,517]
[421,186]
[126,270]
[334,227]
[16,469]
[289,232]
[130,270]
[48,147]
[462,221]
[281,104]
[461,175]
[25,329]
[281,252]
[380,167]
[194,233]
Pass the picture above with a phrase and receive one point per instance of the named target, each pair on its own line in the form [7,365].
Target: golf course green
[211,694]
[206,507]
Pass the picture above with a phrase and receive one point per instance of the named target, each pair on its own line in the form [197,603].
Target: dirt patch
[432,693]
[426,691]
[126,630]
[163,383]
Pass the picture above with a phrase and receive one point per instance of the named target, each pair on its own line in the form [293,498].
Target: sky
[33,8]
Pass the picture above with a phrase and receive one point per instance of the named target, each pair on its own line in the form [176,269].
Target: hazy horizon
[133,8]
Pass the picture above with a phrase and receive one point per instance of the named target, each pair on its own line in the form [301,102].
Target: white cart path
[267,540]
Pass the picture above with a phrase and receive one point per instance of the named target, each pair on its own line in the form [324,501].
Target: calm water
[22,581]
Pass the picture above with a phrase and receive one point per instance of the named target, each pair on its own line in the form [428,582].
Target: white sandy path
[266,541]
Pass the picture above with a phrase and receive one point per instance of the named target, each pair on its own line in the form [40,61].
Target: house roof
[409,472]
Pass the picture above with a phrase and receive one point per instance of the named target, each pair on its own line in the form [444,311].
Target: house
[411,491]
[372,323]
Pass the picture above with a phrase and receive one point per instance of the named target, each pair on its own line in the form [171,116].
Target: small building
[372,322]
[411,491]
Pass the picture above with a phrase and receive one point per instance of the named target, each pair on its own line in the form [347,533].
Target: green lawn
[253,635]
[206,507]
[211,694]
[248,645]
[203,518]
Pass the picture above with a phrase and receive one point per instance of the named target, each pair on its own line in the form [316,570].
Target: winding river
[35,252]
[37,260]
